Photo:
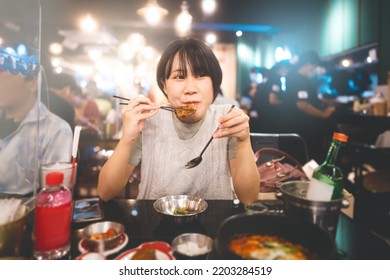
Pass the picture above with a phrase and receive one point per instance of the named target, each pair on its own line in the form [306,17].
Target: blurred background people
[60,85]
[303,112]
[86,110]
[274,88]
[22,115]
[249,92]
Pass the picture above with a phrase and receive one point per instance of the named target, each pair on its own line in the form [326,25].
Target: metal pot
[11,233]
[325,214]
[310,236]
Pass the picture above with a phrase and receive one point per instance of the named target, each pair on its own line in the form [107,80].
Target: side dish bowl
[180,208]
[92,232]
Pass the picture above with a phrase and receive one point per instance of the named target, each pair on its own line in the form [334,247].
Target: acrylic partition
[20,91]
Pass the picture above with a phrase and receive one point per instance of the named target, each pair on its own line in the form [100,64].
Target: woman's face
[183,90]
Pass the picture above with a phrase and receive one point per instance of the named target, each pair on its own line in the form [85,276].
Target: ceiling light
[209,6]
[346,62]
[95,54]
[152,12]
[239,33]
[183,21]
[56,48]
[88,24]
[55,62]
[211,38]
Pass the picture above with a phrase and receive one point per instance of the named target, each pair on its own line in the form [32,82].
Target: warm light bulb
[209,6]
[152,12]
[55,48]
[346,62]
[211,38]
[183,21]
[95,54]
[88,24]
[152,15]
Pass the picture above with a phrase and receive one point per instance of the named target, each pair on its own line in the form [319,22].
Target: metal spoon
[195,162]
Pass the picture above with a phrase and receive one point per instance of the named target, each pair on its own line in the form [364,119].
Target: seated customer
[59,86]
[22,149]
[188,73]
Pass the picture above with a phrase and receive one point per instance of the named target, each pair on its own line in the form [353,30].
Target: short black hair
[62,80]
[309,57]
[197,54]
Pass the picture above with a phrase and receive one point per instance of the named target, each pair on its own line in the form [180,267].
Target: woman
[188,73]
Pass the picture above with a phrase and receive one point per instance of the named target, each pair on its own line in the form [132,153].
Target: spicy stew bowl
[312,238]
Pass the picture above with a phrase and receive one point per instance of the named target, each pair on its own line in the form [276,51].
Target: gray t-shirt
[184,131]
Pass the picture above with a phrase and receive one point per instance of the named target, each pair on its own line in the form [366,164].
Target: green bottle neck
[331,157]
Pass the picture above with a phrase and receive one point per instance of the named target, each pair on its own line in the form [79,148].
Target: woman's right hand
[134,115]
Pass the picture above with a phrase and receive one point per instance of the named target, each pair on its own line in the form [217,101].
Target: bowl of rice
[192,246]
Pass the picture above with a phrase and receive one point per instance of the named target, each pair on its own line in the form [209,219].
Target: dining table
[143,224]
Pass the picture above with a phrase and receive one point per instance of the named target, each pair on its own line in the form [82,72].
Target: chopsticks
[168,108]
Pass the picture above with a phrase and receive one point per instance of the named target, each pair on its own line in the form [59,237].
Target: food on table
[265,247]
[181,211]
[191,249]
[185,111]
[145,253]
[110,233]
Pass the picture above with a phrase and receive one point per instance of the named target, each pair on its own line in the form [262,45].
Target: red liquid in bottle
[52,226]
[53,217]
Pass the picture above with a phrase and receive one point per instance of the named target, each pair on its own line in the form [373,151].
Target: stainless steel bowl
[192,246]
[11,233]
[101,227]
[167,207]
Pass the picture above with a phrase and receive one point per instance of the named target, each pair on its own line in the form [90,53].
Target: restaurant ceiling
[120,17]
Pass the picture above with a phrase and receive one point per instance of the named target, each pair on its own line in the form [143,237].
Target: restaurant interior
[102,49]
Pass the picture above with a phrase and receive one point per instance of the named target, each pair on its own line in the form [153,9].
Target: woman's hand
[134,115]
[234,124]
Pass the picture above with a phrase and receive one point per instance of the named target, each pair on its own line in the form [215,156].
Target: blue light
[21,49]
[283,83]
[235,27]
[134,212]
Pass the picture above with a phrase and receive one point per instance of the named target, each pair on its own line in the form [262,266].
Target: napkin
[8,208]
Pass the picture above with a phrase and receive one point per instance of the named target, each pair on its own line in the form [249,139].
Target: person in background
[303,112]
[268,102]
[188,73]
[21,115]
[249,92]
[60,85]
[258,118]
[87,113]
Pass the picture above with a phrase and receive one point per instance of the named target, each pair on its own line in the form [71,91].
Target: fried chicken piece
[145,253]
[185,111]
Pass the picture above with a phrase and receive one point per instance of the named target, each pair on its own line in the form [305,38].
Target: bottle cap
[340,137]
[54,178]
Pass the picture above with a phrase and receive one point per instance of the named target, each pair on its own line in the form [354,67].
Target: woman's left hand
[234,124]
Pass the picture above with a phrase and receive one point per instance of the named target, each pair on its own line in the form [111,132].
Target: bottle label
[319,191]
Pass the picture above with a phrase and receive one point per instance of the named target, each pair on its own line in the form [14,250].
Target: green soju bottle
[328,180]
